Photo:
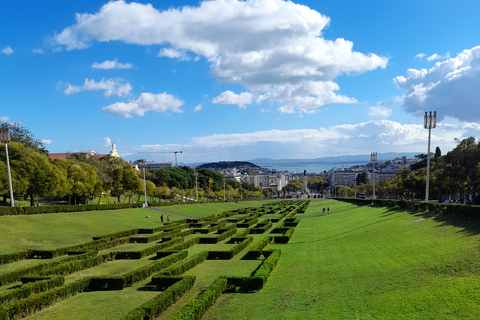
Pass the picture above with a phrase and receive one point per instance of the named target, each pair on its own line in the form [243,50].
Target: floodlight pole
[195,173]
[345,184]
[145,204]
[373,157]
[224,199]
[5,138]
[429,122]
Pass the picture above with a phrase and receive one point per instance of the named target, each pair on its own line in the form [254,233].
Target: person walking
[328,210]
[323,210]
[161,218]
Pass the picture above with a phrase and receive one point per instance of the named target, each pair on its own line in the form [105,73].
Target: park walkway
[172,213]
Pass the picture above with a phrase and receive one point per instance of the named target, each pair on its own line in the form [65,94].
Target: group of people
[168,218]
[328,210]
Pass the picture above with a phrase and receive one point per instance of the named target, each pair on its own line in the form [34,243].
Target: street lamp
[224,199]
[145,204]
[5,138]
[355,172]
[373,157]
[429,122]
[195,173]
[345,184]
[241,191]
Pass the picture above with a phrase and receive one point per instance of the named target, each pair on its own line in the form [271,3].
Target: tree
[362,177]
[22,135]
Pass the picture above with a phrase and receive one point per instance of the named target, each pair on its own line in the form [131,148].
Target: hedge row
[229,254]
[14,276]
[35,302]
[147,251]
[77,265]
[182,246]
[185,265]
[162,301]
[222,235]
[261,227]
[128,279]
[65,208]
[196,308]
[287,234]
[116,235]
[243,284]
[289,222]
[12,257]
[213,228]
[247,223]
[257,250]
[31,288]
[242,234]
[267,266]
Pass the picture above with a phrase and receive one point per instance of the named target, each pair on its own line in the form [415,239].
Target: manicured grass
[368,263]
[207,209]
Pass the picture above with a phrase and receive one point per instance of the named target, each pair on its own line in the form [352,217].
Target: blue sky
[239,80]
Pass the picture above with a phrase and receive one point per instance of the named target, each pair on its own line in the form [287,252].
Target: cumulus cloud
[111,87]
[108,64]
[436,56]
[4,118]
[420,56]
[46,141]
[106,142]
[450,88]
[173,54]
[7,50]
[381,135]
[229,97]
[379,112]
[273,47]
[198,107]
[161,103]
[38,51]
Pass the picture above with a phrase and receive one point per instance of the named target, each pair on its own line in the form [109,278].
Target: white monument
[114,153]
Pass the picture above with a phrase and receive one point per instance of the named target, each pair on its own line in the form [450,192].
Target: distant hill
[228,165]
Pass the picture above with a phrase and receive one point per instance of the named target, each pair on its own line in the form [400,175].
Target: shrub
[185,265]
[196,308]
[31,288]
[147,251]
[267,266]
[229,254]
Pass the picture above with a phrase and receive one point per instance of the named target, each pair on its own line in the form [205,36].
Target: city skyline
[239,80]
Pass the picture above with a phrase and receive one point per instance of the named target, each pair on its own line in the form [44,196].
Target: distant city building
[158,165]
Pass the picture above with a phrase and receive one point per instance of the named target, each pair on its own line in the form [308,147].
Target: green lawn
[368,263]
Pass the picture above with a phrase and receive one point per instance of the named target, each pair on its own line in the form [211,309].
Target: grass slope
[368,263]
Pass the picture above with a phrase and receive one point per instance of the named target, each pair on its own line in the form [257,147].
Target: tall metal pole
[373,157]
[345,184]
[241,191]
[145,204]
[355,185]
[224,199]
[5,138]
[429,122]
[195,173]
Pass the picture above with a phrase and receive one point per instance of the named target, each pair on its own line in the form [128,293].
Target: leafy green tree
[22,135]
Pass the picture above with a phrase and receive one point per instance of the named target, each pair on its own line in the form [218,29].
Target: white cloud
[7,50]
[420,56]
[161,103]
[273,47]
[173,54]
[380,135]
[111,87]
[38,51]
[106,142]
[379,112]
[4,118]
[46,141]
[198,107]
[229,97]
[109,64]
[451,88]
[436,56]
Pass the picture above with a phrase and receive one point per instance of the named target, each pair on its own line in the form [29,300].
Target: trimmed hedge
[77,265]
[14,276]
[12,257]
[257,250]
[31,288]
[222,235]
[185,265]
[116,235]
[247,223]
[261,227]
[287,234]
[243,284]
[66,208]
[229,254]
[196,308]
[182,246]
[128,279]
[147,251]
[162,301]
[267,266]
[35,302]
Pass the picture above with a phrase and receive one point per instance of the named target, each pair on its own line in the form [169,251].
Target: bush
[147,251]
[267,266]
[257,250]
[196,308]
[165,299]
[185,265]
[12,257]
[31,288]
[226,255]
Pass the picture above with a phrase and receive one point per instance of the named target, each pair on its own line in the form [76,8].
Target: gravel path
[172,213]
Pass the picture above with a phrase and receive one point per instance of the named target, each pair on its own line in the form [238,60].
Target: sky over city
[239,80]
